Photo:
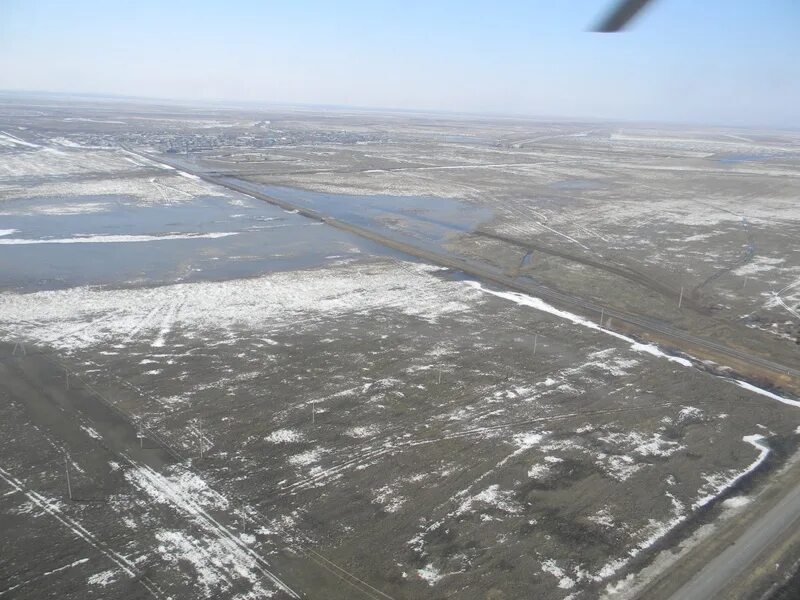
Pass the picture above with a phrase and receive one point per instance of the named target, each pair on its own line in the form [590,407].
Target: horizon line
[495,115]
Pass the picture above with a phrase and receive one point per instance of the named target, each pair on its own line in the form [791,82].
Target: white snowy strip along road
[652,349]
[713,579]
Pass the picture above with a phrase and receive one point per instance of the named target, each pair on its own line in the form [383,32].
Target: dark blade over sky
[621,15]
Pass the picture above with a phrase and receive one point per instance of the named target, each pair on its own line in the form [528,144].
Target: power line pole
[680,298]
[535,340]
[69,483]
[200,435]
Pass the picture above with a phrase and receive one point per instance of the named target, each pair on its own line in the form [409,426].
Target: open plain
[284,352]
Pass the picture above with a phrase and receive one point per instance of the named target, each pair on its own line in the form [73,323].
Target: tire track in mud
[346,576]
[399,444]
[157,485]
[119,433]
[193,511]
[779,299]
[745,258]
[128,567]
[145,322]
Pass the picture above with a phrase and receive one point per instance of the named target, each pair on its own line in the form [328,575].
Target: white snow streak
[54,510]
[114,239]
[216,555]
[768,394]
[756,440]
[539,304]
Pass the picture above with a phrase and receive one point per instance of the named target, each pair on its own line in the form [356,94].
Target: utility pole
[200,435]
[440,376]
[69,484]
[602,315]
[535,339]
[66,377]
[680,298]
[313,412]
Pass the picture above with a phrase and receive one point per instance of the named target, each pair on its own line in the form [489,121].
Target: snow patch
[284,436]
[306,458]
[103,578]
[430,574]
[492,496]
[736,502]
[564,581]
[82,317]
[362,431]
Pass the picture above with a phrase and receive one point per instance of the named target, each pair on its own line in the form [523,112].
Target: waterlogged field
[249,404]
[628,215]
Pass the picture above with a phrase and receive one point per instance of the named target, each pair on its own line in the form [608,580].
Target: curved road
[718,575]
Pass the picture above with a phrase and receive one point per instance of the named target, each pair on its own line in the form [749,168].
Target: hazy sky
[718,61]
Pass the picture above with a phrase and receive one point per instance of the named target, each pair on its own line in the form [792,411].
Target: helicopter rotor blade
[620,16]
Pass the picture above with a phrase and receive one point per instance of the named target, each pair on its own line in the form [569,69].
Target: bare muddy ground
[250,404]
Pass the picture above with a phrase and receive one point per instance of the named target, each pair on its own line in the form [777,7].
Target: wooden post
[200,435]
[69,483]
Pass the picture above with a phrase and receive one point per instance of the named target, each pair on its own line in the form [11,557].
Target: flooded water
[429,220]
[732,159]
[115,240]
[527,260]
[127,244]
[578,184]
